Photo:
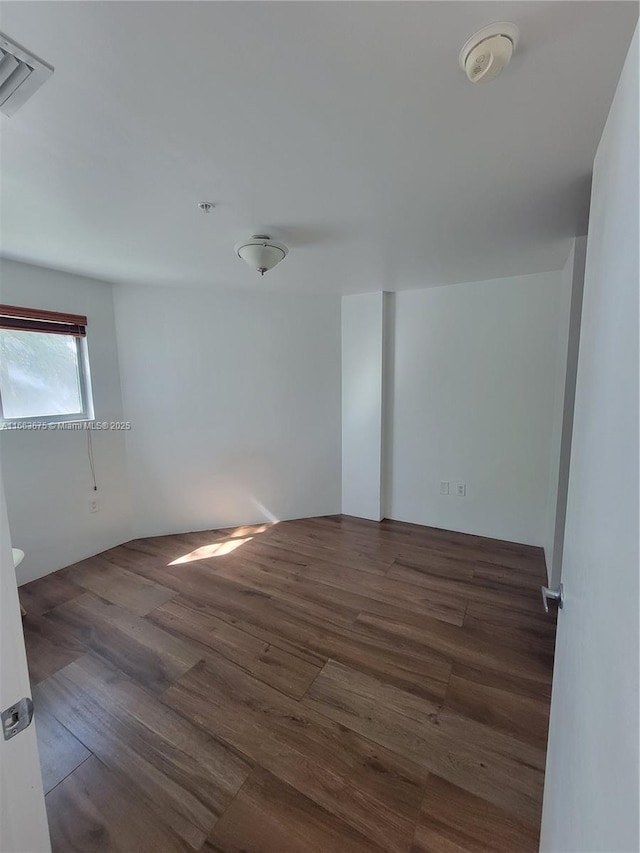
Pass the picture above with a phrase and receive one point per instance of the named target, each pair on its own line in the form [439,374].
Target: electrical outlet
[93,505]
[461,490]
[444,487]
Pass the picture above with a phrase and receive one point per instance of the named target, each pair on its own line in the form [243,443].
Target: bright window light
[44,376]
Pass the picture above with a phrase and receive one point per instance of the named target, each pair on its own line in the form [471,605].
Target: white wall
[568,338]
[234,401]
[591,786]
[235,404]
[473,395]
[47,478]
[362,404]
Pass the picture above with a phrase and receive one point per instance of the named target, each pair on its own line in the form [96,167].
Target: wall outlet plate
[444,487]
[93,505]
[461,489]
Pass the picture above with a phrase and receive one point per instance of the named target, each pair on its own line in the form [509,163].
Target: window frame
[75,322]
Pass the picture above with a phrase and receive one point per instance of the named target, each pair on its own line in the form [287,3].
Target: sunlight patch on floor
[216,549]
[231,540]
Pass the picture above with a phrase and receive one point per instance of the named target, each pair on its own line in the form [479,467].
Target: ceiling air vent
[21,73]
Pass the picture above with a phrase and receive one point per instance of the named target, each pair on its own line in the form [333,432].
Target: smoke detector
[261,252]
[488,51]
[21,73]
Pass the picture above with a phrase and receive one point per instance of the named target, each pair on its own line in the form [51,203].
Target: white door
[591,799]
[23,821]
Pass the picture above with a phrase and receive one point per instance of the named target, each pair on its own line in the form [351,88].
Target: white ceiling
[345,129]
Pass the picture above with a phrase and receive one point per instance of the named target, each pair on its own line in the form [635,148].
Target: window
[44,367]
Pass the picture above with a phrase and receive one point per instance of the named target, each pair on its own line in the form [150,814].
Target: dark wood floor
[329,685]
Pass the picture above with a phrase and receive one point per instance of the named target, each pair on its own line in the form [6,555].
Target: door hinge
[17,717]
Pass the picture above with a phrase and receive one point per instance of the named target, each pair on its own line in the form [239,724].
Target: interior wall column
[363,400]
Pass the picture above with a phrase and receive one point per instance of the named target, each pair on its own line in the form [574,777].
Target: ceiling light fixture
[261,252]
[488,51]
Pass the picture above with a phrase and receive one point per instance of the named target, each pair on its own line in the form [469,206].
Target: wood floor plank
[524,600]
[334,593]
[500,768]
[331,684]
[259,577]
[45,593]
[451,540]
[461,647]
[238,605]
[283,584]
[282,577]
[118,585]
[403,596]
[434,562]
[535,633]
[308,545]
[185,776]
[92,811]
[269,816]
[265,661]
[374,790]
[304,632]
[390,543]
[523,561]
[524,717]
[338,681]
[462,545]
[341,585]
[164,550]
[454,821]
[60,752]
[158,547]
[169,548]
[501,578]
[152,656]
[50,646]
[127,558]
[424,674]
[494,766]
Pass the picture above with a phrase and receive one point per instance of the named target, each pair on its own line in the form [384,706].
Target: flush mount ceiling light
[488,51]
[261,252]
